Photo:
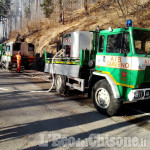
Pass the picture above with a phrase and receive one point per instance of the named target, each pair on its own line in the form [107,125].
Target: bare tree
[37,4]
[61,9]
[4,15]
[119,3]
[85,5]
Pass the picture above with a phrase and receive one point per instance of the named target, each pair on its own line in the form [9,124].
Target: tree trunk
[21,5]
[61,9]
[86,6]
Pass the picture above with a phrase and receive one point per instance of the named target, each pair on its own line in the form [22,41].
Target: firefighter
[18,69]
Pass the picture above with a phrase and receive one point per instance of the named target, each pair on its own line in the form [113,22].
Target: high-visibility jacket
[18,57]
[18,69]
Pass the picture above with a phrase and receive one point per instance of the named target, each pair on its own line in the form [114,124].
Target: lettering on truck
[117,63]
[114,62]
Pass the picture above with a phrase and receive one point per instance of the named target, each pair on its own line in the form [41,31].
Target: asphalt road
[30,119]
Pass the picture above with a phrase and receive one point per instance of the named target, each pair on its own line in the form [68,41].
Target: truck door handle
[103,58]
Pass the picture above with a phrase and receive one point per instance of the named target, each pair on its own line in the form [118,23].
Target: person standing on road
[18,69]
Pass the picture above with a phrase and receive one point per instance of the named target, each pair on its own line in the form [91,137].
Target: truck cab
[124,55]
[123,58]
[11,50]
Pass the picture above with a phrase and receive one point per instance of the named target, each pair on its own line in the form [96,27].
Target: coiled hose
[59,53]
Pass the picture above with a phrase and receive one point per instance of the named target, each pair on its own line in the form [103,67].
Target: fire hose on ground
[59,53]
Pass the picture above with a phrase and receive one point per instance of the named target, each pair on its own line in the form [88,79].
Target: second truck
[11,49]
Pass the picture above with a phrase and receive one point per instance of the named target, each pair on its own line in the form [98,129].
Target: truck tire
[60,84]
[104,100]
[26,64]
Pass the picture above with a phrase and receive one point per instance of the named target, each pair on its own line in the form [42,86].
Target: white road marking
[15,90]
[40,92]
[25,76]
[3,89]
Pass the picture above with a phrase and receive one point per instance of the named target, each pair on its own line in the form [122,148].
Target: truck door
[113,57]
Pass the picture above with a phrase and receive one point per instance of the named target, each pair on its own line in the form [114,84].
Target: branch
[121,8]
[4,16]
[3,6]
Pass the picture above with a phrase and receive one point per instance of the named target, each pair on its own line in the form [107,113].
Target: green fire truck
[112,65]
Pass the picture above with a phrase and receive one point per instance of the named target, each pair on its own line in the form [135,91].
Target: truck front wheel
[60,84]
[103,98]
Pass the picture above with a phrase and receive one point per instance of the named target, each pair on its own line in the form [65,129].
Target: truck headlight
[138,94]
[142,66]
[147,93]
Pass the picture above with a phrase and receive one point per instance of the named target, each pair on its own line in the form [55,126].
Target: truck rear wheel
[103,98]
[60,84]
[26,64]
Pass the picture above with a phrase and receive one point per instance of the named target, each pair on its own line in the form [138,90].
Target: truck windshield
[141,41]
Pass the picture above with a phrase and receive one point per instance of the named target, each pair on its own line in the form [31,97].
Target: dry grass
[45,33]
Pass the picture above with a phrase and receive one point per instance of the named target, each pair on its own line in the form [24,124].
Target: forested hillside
[42,22]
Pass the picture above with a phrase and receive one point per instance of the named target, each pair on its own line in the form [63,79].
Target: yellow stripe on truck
[126,85]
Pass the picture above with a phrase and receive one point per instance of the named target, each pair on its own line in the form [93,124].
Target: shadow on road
[60,123]
[11,132]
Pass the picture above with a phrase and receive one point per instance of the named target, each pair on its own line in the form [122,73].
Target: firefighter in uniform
[18,69]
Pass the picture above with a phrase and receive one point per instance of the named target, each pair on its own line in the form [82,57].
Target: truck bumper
[139,94]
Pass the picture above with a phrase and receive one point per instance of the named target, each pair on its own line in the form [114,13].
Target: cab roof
[123,30]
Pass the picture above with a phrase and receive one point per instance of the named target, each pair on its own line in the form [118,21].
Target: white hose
[61,52]
[58,53]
